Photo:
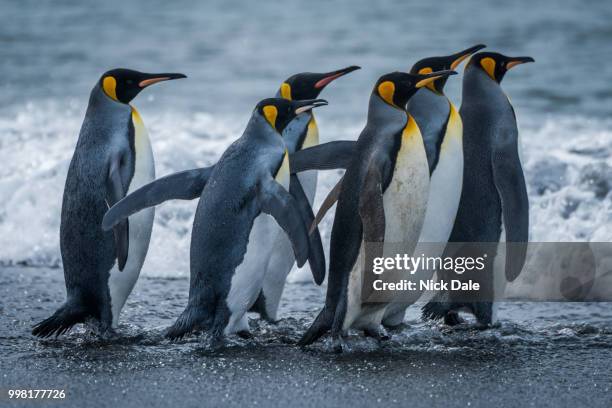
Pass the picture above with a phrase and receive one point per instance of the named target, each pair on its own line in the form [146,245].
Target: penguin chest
[140,224]
[308,179]
[312,135]
[405,198]
[248,276]
[144,173]
[445,185]
[404,201]
[283,174]
[144,169]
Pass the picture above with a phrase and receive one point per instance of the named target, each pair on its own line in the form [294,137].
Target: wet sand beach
[544,354]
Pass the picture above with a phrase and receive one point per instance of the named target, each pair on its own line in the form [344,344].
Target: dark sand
[543,355]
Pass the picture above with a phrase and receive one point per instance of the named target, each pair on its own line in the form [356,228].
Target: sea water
[51,55]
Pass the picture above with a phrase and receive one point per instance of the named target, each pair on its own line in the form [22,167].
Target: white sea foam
[568,165]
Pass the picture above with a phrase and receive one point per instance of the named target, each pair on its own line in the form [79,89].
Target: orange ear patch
[285,91]
[386,90]
[109,84]
[488,64]
[270,112]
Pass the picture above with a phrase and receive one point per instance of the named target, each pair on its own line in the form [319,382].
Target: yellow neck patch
[430,86]
[285,91]
[109,84]
[136,116]
[488,64]
[386,90]
[270,112]
[411,129]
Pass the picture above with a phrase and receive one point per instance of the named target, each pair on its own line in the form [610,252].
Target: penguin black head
[433,64]
[308,85]
[279,112]
[397,88]
[123,85]
[496,65]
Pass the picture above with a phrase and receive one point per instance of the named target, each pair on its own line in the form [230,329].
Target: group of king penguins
[420,171]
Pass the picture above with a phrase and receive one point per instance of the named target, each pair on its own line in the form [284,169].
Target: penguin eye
[129,82]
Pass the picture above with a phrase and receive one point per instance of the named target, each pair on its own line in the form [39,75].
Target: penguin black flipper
[372,214]
[326,156]
[316,256]
[115,191]
[371,206]
[185,185]
[277,202]
[329,201]
[510,183]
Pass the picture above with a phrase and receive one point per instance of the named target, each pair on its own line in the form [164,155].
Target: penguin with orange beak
[301,133]
[243,197]
[382,201]
[494,197]
[442,131]
[113,157]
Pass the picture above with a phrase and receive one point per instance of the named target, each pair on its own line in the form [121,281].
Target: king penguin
[386,179]
[113,156]
[494,195]
[301,133]
[242,196]
[442,131]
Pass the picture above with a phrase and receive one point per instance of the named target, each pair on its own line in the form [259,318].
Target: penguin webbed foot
[397,328]
[452,318]
[244,334]
[378,334]
[438,307]
[216,342]
[61,321]
[483,311]
[337,344]
[107,333]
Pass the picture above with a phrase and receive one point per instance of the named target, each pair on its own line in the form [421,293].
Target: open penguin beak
[330,76]
[309,104]
[514,61]
[429,78]
[459,57]
[151,79]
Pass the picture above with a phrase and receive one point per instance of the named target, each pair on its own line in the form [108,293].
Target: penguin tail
[318,328]
[189,321]
[62,320]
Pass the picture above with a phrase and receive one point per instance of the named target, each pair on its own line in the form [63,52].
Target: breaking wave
[567,163]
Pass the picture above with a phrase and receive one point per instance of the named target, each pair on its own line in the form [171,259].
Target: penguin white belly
[442,205]
[445,185]
[121,283]
[282,258]
[248,277]
[405,201]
